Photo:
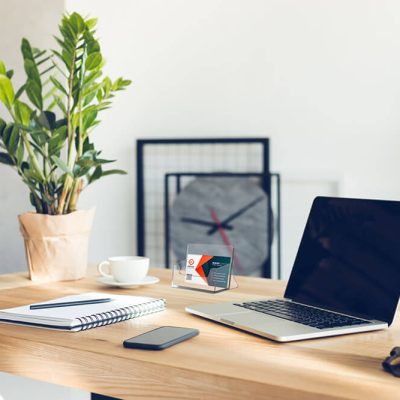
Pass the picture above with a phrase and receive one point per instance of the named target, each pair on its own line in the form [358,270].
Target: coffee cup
[125,268]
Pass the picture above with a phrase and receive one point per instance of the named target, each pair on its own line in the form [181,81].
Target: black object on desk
[392,363]
[69,303]
[160,338]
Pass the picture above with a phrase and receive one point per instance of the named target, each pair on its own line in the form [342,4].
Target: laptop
[345,278]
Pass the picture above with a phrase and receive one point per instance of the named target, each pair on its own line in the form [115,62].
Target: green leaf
[92,77]
[114,172]
[58,85]
[47,70]
[89,118]
[64,45]
[93,45]
[47,119]
[91,23]
[77,22]
[10,73]
[20,91]
[32,175]
[3,70]
[93,61]
[14,140]
[19,155]
[32,199]
[26,49]
[2,127]
[87,146]
[22,112]
[89,97]
[34,92]
[120,84]
[107,85]
[81,171]
[25,165]
[6,92]
[56,143]
[61,122]
[104,161]
[6,159]
[96,175]
[60,104]
[67,58]
[66,28]
[60,57]
[38,139]
[7,133]
[61,164]
[37,53]
[32,71]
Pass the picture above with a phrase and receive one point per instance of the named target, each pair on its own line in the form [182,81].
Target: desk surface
[220,363]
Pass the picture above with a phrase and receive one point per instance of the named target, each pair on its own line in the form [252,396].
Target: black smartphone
[160,338]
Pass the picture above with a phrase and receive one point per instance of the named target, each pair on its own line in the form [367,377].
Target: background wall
[321,79]
[37,21]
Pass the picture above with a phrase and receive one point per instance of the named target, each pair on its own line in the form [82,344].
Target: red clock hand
[224,237]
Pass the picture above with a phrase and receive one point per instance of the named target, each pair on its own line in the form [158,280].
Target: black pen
[69,303]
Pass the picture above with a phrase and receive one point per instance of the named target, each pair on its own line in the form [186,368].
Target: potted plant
[48,141]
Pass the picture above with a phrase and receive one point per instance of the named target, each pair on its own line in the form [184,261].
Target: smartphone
[160,338]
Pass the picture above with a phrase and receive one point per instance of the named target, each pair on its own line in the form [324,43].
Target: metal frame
[264,178]
[140,184]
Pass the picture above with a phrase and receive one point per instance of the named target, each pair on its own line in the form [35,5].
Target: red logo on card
[191,261]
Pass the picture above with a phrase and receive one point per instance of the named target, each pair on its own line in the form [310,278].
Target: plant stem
[70,133]
[63,197]
[68,199]
[76,189]
[32,157]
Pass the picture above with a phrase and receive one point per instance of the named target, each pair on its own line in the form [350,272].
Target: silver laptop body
[356,273]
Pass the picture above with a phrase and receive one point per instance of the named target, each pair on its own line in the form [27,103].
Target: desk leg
[95,396]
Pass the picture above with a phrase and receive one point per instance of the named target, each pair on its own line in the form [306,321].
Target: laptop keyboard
[301,314]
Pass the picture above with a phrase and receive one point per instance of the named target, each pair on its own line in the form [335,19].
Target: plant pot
[56,245]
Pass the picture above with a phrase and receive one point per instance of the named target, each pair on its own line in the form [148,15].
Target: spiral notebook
[79,318]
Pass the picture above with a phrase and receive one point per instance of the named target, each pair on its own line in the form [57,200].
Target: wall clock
[160,159]
[223,210]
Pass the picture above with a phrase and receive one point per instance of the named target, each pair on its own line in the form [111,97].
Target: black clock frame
[140,184]
[265,180]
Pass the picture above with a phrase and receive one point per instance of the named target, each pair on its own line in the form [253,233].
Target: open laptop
[345,278]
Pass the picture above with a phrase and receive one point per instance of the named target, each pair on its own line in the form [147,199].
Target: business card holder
[207,278]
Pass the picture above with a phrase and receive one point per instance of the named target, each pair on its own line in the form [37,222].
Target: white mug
[125,268]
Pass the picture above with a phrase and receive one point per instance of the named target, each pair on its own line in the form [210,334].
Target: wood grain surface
[220,363]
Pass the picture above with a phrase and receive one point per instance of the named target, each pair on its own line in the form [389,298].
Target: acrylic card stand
[207,268]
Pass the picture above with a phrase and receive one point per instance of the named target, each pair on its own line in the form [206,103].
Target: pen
[69,303]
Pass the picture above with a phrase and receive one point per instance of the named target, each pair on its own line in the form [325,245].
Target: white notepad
[78,318]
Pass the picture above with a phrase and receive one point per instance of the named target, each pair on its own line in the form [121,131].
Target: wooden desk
[221,363]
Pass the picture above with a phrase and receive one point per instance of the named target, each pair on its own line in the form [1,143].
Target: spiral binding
[119,314]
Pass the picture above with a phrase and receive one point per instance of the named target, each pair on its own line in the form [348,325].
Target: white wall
[321,79]
[37,21]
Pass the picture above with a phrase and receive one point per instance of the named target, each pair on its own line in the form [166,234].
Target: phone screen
[161,337]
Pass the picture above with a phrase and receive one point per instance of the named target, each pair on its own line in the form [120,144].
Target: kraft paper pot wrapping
[56,245]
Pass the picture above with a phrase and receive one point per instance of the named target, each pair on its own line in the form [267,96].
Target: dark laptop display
[349,258]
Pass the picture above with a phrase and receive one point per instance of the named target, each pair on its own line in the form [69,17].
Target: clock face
[228,210]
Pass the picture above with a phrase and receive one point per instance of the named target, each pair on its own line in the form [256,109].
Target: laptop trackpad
[266,323]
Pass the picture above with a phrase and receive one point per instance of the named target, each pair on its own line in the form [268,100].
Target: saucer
[148,280]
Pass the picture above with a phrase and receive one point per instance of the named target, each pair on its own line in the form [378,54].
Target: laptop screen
[349,258]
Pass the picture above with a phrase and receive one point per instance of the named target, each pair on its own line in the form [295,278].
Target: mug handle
[100,269]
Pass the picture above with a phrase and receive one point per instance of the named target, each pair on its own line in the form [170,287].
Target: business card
[207,270]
